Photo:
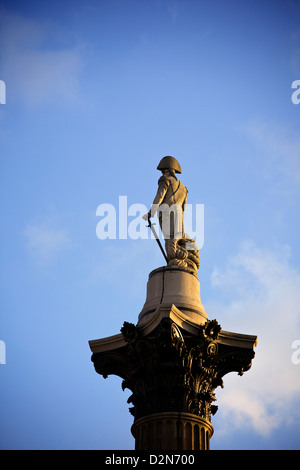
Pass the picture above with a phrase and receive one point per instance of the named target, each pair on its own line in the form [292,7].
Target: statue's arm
[163,184]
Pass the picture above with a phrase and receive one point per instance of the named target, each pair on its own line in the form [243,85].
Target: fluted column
[172,431]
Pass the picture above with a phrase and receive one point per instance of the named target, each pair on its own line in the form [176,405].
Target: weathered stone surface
[174,286]
[170,369]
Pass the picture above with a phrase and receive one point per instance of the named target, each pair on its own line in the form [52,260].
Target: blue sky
[96,93]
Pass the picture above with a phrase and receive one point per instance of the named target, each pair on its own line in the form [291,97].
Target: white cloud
[45,242]
[264,299]
[35,72]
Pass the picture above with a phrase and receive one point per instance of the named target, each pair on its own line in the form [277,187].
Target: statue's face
[165,172]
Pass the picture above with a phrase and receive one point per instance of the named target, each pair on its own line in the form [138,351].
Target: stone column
[172,431]
[172,361]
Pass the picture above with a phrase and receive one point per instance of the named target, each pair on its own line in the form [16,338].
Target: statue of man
[169,203]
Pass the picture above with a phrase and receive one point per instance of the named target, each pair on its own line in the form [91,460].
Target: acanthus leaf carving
[170,370]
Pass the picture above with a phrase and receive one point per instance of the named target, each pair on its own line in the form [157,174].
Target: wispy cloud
[34,70]
[44,242]
[262,296]
[115,260]
[173,9]
[277,148]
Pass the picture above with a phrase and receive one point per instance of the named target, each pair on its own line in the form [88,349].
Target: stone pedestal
[177,286]
[172,361]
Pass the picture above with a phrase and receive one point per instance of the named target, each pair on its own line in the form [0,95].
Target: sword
[157,239]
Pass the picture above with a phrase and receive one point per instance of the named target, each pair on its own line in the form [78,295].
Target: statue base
[173,286]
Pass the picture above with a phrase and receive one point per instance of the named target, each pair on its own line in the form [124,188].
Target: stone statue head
[169,163]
